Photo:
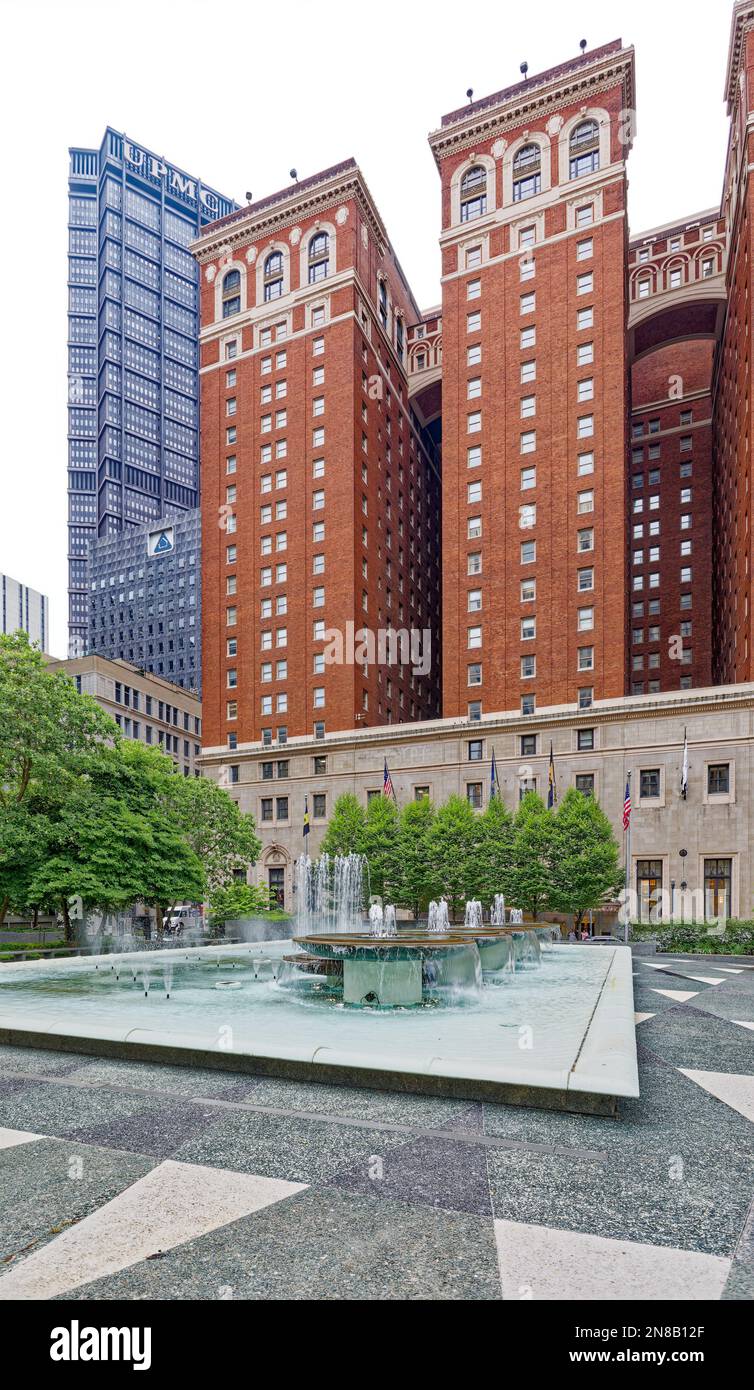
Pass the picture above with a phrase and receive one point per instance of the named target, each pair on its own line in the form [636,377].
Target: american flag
[627,806]
[387,783]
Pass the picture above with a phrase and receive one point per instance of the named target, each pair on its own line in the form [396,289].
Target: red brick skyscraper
[320,491]
[535,388]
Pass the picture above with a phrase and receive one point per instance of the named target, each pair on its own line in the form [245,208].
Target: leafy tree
[215,828]
[235,900]
[345,828]
[416,879]
[496,833]
[585,863]
[46,729]
[453,844]
[379,843]
[528,881]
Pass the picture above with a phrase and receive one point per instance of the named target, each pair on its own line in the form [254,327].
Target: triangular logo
[163,544]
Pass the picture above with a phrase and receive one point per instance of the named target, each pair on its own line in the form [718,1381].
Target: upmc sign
[175,180]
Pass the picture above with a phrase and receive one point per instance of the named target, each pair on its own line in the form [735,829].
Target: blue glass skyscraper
[133,330]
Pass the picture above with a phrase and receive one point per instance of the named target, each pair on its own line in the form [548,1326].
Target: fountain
[437,919]
[497,912]
[473,920]
[516,916]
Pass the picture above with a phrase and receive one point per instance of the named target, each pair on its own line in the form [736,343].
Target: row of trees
[86,814]
[562,861]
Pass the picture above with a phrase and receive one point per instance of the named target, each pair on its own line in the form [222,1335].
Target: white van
[183,916]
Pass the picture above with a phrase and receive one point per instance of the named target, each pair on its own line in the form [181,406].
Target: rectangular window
[718,779]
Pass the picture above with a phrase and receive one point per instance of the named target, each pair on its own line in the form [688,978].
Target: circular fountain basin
[386,972]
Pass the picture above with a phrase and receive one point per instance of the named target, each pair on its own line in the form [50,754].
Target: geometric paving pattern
[144,1181]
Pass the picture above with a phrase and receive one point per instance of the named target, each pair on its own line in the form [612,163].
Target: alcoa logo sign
[161,542]
[177,182]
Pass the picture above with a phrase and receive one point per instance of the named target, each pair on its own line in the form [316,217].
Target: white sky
[238,94]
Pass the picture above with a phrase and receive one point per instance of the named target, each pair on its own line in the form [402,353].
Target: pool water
[529,1023]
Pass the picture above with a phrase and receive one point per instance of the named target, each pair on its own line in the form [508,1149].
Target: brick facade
[564,443]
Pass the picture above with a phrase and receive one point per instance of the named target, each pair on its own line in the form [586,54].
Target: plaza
[262,1188]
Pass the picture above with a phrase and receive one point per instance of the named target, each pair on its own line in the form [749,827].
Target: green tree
[496,841]
[215,828]
[345,828]
[453,844]
[585,866]
[379,844]
[528,883]
[235,900]
[46,729]
[416,881]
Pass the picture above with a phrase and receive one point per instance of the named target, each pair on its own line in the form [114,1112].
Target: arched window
[319,257]
[584,149]
[473,193]
[527,173]
[273,276]
[232,293]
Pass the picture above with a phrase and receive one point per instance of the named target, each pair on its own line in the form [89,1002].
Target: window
[649,784]
[586,580]
[585,619]
[231,295]
[528,629]
[585,283]
[473,257]
[527,173]
[474,456]
[474,637]
[473,322]
[528,478]
[473,387]
[585,389]
[528,748]
[586,658]
[474,602]
[528,407]
[586,540]
[528,303]
[585,464]
[474,793]
[528,372]
[718,779]
[474,355]
[585,740]
[473,289]
[474,674]
[273,276]
[527,338]
[528,442]
[585,502]
[474,422]
[584,354]
[584,249]
[584,319]
[319,257]
[473,193]
[476,750]
[584,149]
[528,552]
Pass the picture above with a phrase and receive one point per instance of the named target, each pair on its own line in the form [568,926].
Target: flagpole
[627,924]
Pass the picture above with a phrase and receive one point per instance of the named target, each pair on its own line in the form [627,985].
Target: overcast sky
[237,94]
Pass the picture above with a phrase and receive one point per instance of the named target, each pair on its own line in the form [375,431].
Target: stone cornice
[536,101]
[628,710]
[266,221]
[741,23]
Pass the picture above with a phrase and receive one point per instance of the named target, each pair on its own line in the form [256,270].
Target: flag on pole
[685,766]
[552,786]
[306,815]
[387,783]
[494,779]
[627,804]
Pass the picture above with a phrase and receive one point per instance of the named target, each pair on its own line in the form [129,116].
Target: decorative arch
[220,278]
[675,262]
[530,137]
[486,162]
[317,229]
[591,113]
[643,272]
[262,258]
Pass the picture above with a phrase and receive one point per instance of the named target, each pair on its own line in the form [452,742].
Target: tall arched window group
[584,149]
[473,193]
[527,173]
[231,293]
